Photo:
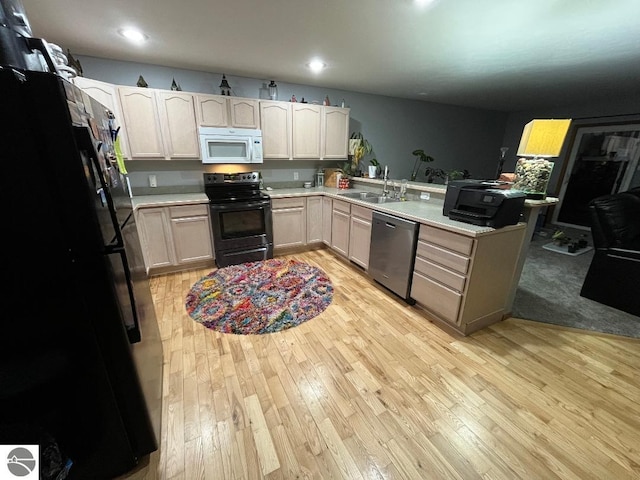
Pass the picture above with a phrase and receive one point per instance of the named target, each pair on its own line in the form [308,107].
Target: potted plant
[433,173]
[560,238]
[358,148]
[455,175]
[422,158]
[347,169]
[374,168]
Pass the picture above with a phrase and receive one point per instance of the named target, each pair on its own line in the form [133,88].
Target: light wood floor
[371,389]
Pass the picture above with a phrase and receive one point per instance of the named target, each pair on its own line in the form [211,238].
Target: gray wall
[456,137]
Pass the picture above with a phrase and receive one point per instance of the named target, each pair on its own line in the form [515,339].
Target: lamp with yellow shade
[541,140]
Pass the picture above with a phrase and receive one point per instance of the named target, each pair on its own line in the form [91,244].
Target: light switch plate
[153,181]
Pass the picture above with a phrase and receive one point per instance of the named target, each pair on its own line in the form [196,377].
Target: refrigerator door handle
[103,190]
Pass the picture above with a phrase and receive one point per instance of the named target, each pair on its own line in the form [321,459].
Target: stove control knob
[254,176]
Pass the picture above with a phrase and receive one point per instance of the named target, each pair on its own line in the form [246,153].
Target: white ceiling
[499,54]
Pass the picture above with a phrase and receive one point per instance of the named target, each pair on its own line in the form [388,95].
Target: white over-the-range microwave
[230,145]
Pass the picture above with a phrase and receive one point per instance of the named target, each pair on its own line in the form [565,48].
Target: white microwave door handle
[250,150]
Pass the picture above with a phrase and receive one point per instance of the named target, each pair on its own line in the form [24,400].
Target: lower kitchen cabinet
[360,235]
[457,278]
[340,223]
[289,222]
[175,236]
[155,237]
[314,220]
[191,231]
[441,300]
[327,213]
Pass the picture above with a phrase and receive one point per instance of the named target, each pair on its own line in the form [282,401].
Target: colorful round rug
[259,297]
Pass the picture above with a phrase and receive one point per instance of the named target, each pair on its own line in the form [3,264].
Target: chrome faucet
[385,177]
[396,193]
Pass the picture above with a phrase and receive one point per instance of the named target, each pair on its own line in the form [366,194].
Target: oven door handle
[240,206]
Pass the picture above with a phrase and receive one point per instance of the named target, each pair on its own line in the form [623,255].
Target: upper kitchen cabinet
[140,112]
[245,112]
[178,124]
[106,94]
[212,110]
[319,132]
[275,123]
[335,133]
[221,111]
[160,124]
[307,121]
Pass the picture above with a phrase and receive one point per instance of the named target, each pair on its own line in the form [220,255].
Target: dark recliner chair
[613,278]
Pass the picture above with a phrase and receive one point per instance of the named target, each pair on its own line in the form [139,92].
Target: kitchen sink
[381,199]
[367,196]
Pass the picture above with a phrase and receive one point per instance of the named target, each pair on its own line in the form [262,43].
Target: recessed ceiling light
[133,35]
[316,65]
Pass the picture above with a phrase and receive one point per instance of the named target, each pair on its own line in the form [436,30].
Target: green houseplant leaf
[420,157]
[358,148]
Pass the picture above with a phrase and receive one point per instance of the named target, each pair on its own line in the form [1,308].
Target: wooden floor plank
[267,455]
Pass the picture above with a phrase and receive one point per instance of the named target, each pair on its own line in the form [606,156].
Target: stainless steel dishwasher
[393,252]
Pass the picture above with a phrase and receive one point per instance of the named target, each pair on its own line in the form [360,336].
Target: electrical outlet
[153,181]
[295,176]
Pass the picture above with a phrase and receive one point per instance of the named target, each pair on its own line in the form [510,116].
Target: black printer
[481,202]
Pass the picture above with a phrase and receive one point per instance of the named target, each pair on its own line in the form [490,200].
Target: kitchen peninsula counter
[464,274]
[428,212]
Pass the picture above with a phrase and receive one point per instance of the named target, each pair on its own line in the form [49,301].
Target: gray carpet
[549,292]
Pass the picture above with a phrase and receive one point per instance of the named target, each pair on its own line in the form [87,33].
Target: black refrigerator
[80,350]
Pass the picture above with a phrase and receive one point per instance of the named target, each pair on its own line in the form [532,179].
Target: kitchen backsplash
[187,176]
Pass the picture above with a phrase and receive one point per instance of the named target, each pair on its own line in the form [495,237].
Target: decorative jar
[532,177]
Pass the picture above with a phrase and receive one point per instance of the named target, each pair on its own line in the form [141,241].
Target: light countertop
[168,199]
[423,211]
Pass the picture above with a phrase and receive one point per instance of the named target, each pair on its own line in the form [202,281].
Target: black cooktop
[231,187]
[241,178]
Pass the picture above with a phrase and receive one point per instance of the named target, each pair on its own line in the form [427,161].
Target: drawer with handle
[441,274]
[289,202]
[441,256]
[182,211]
[435,297]
[449,240]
